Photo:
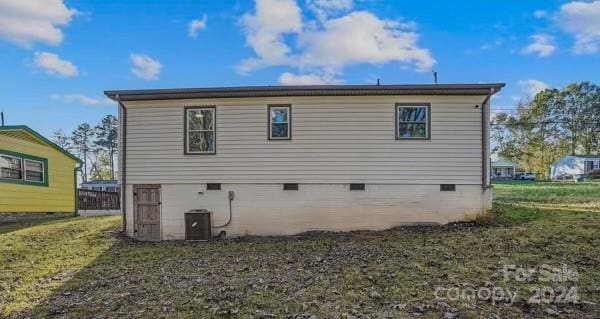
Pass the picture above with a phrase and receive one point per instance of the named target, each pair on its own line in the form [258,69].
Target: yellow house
[36,175]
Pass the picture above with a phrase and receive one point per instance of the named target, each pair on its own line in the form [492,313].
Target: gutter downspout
[122,154]
[484,139]
[75,192]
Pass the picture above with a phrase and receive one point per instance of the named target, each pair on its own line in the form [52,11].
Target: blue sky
[57,57]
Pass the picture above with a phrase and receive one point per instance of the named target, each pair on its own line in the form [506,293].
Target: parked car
[528,176]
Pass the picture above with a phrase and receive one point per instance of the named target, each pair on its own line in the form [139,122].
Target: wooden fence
[89,199]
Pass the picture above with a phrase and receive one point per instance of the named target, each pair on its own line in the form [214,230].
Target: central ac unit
[198,225]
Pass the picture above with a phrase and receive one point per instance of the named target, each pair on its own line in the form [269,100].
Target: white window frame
[25,160]
[427,123]
[288,109]
[22,168]
[213,111]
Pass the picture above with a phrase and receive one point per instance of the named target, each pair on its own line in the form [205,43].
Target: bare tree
[61,139]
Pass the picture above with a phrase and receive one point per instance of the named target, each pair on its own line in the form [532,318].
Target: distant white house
[101,185]
[574,166]
[503,169]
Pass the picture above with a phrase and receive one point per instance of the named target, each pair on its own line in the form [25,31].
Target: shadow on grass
[39,256]
[9,227]
[81,294]
[311,273]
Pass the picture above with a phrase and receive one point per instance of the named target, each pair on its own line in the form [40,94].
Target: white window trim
[22,167]
[25,160]
[288,110]
[213,111]
[398,122]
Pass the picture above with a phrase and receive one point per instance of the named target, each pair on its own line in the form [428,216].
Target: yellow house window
[34,171]
[22,168]
[11,167]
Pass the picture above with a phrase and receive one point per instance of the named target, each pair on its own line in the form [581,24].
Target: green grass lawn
[81,267]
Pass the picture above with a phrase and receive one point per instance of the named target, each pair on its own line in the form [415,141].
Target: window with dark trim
[200,130]
[280,122]
[23,168]
[413,121]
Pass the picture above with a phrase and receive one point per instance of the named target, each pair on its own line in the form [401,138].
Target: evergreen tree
[82,139]
[107,139]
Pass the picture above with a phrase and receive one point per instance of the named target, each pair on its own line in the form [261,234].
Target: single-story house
[574,166]
[279,160]
[36,175]
[503,169]
[109,185]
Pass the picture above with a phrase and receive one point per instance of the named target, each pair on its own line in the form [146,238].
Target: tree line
[555,123]
[96,146]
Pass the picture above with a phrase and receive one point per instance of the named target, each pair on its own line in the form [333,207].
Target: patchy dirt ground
[401,273]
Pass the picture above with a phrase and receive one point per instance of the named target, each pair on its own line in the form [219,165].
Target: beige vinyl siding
[334,140]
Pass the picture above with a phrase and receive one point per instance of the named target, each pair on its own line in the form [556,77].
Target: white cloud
[288,78]
[265,29]
[325,8]
[491,45]
[329,45]
[53,64]
[196,25]
[145,67]
[582,19]
[361,37]
[539,14]
[81,99]
[331,4]
[542,45]
[531,87]
[25,22]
